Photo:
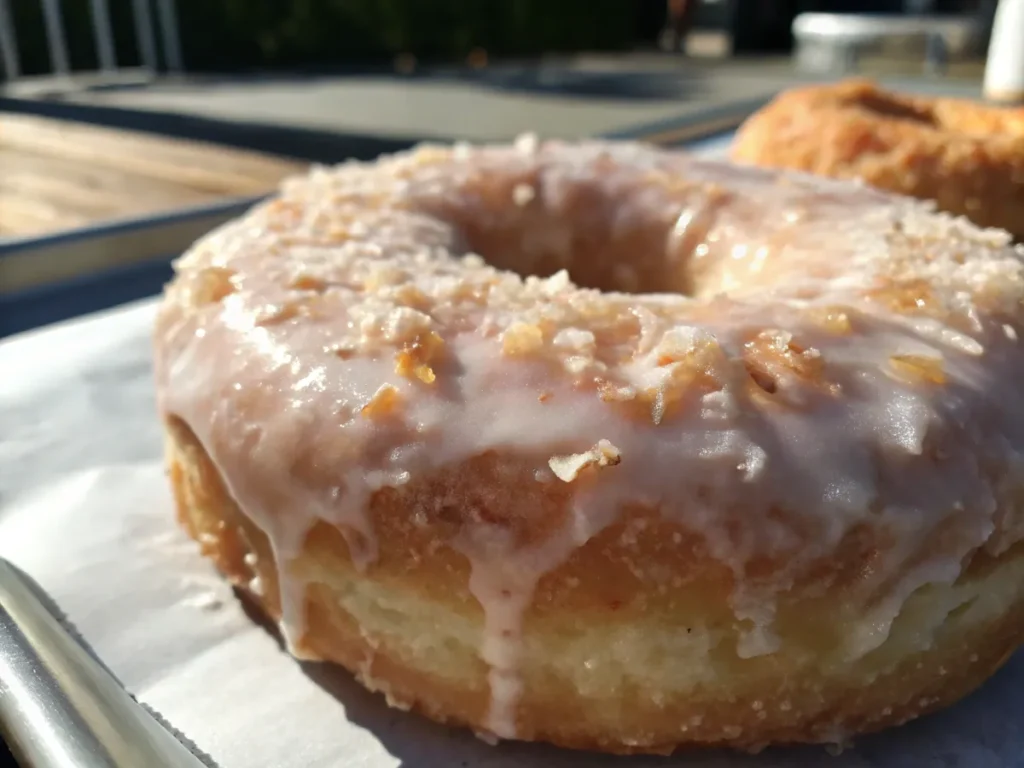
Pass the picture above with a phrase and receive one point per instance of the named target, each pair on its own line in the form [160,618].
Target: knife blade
[60,706]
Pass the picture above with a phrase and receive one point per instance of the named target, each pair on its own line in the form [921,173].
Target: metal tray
[57,277]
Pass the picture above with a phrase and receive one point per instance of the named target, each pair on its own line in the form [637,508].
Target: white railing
[103,37]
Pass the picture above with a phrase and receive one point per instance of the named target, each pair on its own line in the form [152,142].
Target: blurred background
[475,69]
[246,35]
[115,113]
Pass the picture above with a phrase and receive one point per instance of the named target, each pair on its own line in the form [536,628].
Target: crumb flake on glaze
[772,361]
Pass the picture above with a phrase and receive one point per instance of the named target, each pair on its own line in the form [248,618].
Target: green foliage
[224,35]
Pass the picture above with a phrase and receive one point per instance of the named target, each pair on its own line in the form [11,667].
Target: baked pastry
[692,454]
[967,157]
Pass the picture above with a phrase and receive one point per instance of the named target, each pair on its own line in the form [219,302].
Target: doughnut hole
[607,236]
[886,105]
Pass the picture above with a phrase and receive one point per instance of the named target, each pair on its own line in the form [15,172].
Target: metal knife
[60,707]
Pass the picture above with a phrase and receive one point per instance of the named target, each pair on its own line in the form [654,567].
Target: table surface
[59,175]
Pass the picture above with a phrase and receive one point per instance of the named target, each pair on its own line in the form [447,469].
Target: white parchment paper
[85,509]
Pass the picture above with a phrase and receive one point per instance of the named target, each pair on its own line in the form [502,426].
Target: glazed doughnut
[688,454]
[967,157]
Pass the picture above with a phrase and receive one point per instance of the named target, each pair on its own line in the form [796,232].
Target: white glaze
[280,402]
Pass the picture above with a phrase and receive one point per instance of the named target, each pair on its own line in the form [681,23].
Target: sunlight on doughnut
[607,446]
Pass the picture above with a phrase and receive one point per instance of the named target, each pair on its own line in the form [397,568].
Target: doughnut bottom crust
[609,668]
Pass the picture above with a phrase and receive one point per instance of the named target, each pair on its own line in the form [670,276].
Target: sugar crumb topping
[568,468]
